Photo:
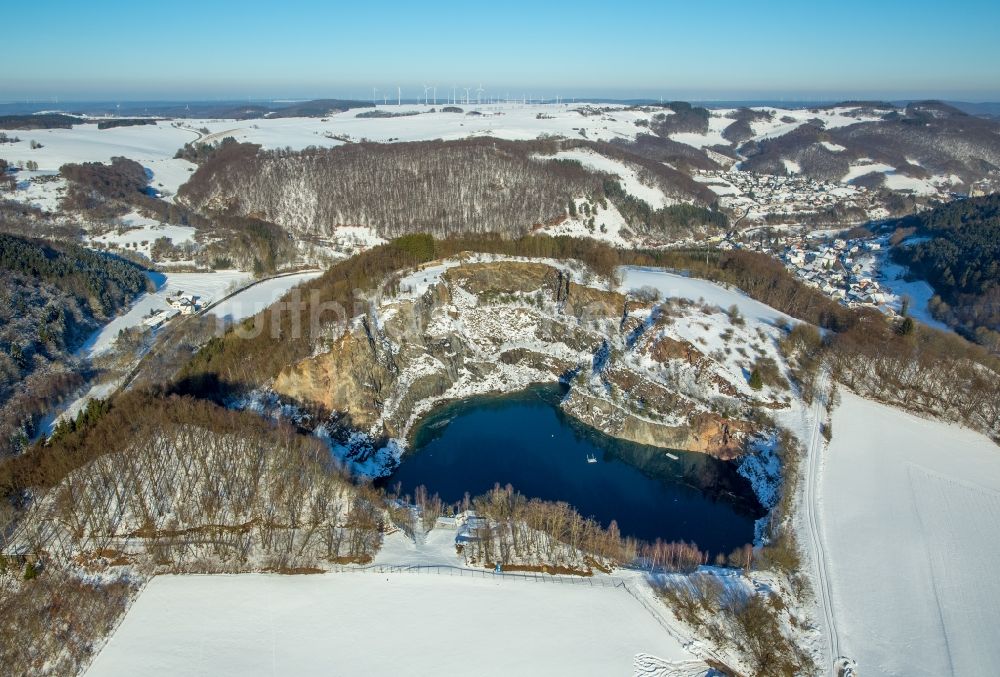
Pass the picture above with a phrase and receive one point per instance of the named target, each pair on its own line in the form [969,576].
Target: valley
[646,367]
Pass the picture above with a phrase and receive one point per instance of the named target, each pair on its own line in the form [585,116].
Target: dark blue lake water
[525,440]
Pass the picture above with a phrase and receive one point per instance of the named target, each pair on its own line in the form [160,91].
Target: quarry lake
[526,440]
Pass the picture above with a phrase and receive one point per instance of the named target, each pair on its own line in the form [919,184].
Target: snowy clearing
[169,174]
[43,189]
[674,285]
[206,286]
[893,277]
[712,138]
[628,176]
[138,233]
[381,624]
[910,508]
[857,171]
[609,226]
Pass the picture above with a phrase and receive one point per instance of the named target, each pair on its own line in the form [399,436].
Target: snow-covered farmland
[87,143]
[155,145]
[910,509]
[513,121]
[381,624]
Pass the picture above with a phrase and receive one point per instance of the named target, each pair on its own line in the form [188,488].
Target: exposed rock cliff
[465,327]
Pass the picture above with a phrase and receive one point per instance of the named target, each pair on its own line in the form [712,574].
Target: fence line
[451,570]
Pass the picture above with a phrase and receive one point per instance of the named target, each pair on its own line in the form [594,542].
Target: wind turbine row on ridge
[430,96]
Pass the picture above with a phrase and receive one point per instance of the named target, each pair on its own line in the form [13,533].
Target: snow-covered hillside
[696,289]
[910,509]
[154,146]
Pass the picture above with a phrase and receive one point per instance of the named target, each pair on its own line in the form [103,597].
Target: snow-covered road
[814,417]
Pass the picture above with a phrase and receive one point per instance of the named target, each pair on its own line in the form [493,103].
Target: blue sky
[311,48]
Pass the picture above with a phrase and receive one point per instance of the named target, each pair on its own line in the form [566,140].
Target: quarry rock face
[498,326]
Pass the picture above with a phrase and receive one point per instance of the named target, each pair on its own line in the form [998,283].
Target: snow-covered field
[787,120]
[152,146]
[381,624]
[910,509]
[260,296]
[896,181]
[514,121]
[43,189]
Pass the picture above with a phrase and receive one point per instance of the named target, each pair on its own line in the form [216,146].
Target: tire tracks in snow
[824,594]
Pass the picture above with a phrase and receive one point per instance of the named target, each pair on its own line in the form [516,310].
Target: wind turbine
[479,94]
[374,100]
[435,95]
[399,96]
[426,89]
[466,96]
